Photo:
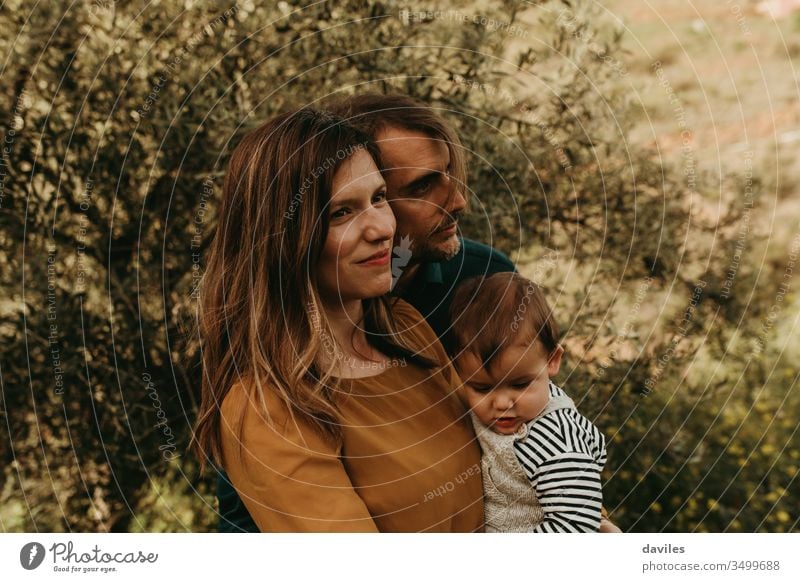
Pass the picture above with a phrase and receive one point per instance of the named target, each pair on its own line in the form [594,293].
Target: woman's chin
[378,286]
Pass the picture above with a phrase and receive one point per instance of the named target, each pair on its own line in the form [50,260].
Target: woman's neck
[345,321]
[349,344]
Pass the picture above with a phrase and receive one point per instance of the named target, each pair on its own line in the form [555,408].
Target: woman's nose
[379,224]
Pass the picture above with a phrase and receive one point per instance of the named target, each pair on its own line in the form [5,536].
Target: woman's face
[356,258]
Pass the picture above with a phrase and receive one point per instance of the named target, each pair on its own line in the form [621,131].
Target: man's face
[422,195]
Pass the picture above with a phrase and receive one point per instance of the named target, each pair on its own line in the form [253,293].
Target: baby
[542,459]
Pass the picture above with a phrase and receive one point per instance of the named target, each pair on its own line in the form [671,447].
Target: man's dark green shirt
[431,295]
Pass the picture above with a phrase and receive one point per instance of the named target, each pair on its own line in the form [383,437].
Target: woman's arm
[289,476]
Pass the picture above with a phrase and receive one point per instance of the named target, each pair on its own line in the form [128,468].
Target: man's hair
[372,112]
[489,313]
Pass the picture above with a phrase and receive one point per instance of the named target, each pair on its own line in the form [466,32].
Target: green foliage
[123,116]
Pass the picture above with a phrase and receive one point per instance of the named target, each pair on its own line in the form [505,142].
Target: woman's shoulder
[242,405]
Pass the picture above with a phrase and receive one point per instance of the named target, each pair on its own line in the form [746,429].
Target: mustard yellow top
[409,461]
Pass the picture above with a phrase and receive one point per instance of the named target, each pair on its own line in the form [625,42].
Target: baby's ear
[554,361]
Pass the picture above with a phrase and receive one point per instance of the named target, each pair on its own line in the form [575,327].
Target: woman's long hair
[261,320]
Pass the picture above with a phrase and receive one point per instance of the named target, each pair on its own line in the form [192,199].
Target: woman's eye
[340,213]
[521,385]
[380,196]
[481,390]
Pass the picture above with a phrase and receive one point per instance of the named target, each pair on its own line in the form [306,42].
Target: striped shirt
[563,455]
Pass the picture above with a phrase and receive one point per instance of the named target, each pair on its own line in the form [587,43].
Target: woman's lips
[376,260]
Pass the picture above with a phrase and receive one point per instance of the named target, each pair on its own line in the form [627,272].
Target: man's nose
[456,202]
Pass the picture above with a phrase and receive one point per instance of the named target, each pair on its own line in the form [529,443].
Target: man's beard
[429,253]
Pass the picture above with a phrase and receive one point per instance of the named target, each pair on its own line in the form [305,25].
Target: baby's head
[504,345]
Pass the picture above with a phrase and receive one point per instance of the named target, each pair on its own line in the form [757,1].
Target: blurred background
[638,159]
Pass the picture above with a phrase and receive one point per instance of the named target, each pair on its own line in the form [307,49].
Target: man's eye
[422,189]
[521,385]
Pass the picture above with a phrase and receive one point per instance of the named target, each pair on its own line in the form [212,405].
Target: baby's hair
[487,313]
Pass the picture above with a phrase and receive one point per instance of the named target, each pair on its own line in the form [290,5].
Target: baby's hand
[608,527]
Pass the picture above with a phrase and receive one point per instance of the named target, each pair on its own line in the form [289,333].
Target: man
[426,187]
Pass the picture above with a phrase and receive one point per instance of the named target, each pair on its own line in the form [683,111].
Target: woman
[331,407]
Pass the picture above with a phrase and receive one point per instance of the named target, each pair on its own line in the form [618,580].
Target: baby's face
[514,389]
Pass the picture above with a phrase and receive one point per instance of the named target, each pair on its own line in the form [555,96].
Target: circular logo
[31,555]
